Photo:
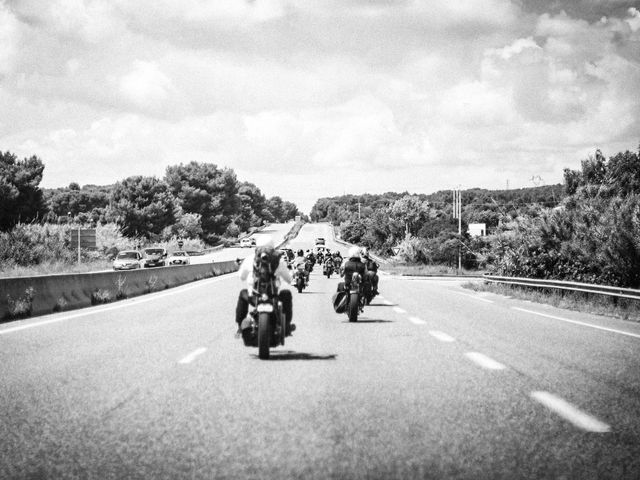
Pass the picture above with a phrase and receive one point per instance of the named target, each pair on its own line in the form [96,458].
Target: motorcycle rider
[337,258]
[352,264]
[282,273]
[301,260]
[371,274]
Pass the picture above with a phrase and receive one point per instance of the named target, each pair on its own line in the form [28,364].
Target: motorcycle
[266,321]
[299,277]
[367,291]
[328,268]
[356,299]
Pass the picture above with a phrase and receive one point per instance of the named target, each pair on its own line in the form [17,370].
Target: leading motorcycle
[266,326]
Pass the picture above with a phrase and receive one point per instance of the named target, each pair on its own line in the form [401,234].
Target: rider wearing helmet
[281,274]
[301,260]
[352,264]
[371,274]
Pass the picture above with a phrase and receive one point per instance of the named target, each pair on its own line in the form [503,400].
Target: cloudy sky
[312,98]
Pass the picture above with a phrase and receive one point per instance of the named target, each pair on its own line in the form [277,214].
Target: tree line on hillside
[423,226]
[586,229]
[194,200]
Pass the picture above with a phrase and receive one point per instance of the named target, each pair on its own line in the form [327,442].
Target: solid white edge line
[417,321]
[125,303]
[191,357]
[597,327]
[443,337]
[388,302]
[475,297]
[570,413]
[484,361]
[399,310]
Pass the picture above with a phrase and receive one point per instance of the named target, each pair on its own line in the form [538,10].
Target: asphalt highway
[433,381]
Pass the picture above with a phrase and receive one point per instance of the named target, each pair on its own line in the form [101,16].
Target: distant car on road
[319,241]
[179,258]
[155,257]
[248,242]
[128,260]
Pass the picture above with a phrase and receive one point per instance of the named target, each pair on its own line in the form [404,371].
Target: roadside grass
[405,269]
[54,267]
[623,308]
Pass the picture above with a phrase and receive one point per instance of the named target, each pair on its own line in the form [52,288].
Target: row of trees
[586,229]
[594,236]
[423,226]
[196,200]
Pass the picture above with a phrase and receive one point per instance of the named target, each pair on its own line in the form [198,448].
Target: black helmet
[300,253]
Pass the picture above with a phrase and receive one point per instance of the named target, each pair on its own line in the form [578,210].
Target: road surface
[434,381]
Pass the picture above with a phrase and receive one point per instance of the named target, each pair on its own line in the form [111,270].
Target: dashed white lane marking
[475,297]
[399,310]
[191,357]
[570,413]
[597,327]
[417,321]
[443,337]
[125,303]
[484,361]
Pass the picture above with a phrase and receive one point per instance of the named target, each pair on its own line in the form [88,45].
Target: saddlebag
[340,301]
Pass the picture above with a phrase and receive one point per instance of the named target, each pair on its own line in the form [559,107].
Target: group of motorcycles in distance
[351,302]
[303,266]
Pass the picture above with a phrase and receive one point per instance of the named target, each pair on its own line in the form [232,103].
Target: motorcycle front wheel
[354,305]
[264,335]
[300,284]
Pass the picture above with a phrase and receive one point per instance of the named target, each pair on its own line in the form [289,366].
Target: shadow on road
[291,355]
[370,320]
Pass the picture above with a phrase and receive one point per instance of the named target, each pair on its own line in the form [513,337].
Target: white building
[477,229]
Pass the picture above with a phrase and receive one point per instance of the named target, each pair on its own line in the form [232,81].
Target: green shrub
[100,296]
[61,304]
[21,307]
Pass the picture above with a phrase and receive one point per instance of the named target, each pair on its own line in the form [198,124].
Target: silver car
[179,258]
[128,260]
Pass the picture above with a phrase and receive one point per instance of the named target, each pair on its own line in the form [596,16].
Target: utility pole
[358,210]
[457,213]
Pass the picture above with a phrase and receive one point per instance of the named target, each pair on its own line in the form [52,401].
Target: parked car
[319,241]
[179,258]
[248,242]
[155,257]
[127,260]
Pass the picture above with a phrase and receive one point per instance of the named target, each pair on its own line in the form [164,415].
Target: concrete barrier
[54,293]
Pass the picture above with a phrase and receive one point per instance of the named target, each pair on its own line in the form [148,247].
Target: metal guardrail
[570,286]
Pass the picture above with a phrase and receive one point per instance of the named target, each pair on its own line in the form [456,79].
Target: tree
[410,210]
[289,211]
[253,207]
[21,199]
[90,202]
[623,173]
[205,189]
[276,208]
[143,206]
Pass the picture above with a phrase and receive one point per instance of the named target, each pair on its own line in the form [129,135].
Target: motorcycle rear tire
[300,285]
[264,335]
[354,306]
